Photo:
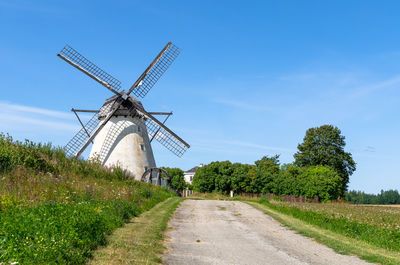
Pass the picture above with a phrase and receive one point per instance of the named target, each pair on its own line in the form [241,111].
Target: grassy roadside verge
[140,241]
[340,243]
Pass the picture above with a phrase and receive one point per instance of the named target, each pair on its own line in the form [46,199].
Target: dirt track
[230,232]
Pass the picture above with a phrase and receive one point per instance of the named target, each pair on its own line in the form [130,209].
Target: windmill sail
[155,70]
[164,136]
[81,140]
[77,60]
[76,143]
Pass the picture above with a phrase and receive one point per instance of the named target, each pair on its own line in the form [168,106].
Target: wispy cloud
[242,105]
[6,106]
[369,149]
[258,146]
[229,146]
[16,116]
[366,90]
[12,121]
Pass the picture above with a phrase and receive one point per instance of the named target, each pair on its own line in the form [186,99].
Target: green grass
[340,243]
[373,225]
[58,210]
[140,241]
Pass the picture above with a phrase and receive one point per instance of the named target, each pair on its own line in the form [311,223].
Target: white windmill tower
[122,130]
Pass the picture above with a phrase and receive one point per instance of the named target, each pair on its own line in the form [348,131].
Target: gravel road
[231,232]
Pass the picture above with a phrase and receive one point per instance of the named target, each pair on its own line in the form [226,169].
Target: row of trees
[267,176]
[321,168]
[385,197]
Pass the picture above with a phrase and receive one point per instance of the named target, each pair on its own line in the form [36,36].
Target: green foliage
[322,169]
[59,233]
[213,177]
[27,154]
[56,210]
[177,180]
[321,182]
[266,176]
[324,146]
[267,171]
[46,158]
[241,177]
[289,181]
[385,197]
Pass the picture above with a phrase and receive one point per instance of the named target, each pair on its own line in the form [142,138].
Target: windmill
[122,130]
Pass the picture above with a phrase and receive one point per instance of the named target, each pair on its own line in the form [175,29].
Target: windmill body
[124,140]
[122,130]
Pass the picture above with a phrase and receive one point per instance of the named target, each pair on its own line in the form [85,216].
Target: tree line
[384,197]
[268,176]
[321,168]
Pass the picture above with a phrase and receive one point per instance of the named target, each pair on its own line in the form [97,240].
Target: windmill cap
[125,109]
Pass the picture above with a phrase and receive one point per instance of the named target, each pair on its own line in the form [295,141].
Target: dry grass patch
[141,240]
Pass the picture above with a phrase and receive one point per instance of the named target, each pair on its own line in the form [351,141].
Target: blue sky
[252,77]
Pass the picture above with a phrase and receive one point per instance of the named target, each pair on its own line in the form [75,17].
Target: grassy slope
[140,241]
[340,243]
[57,210]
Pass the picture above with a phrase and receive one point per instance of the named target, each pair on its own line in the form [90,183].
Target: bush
[177,180]
[214,177]
[321,182]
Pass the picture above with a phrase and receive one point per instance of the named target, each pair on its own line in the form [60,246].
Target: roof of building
[193,170]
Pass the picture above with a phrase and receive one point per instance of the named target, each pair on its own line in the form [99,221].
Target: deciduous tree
[325,146]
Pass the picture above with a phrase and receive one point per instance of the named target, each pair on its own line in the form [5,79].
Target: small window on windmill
[142,147]
[145,168]
[138,129]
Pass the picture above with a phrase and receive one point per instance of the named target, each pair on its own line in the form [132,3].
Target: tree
[325,146]
[289,181]
[321,181]
[241,177]
[215,176]
[267,170]
[223,176]
[177,180]
[385,197]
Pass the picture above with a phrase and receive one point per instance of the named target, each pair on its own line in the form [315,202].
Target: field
[58,210]
[379,226]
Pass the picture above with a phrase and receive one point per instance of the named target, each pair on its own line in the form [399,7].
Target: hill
[57,210]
